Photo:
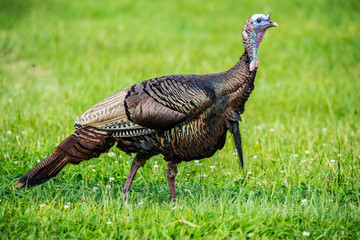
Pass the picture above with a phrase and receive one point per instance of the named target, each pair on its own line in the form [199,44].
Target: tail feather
[82,145]
[42,172]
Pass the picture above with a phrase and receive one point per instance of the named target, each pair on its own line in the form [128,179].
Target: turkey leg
[138,162]
[171,172]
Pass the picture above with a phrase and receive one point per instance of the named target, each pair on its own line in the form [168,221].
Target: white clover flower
[295,155]
[187,190]
[10,100]
[23,132]
[16,162]
[174,208]
[42,205]
[109,223]
[116,161]
[108,187]
[303,202]
[282,171]
[38,160]
[324,130]
[332,161]
[237,179]
[67,207]
[272,130]
[111,179]
[212,168]
[249,173]
[339,155]
[111,154]
[141,203]
[228,173]
[306,234]
[250,235]
[255,157]
[303,161]
[261,126]
[6,155]
[204,175]
[95,189]
[93,170]
[307,151]
[156,167]
[235,153]
[9,132]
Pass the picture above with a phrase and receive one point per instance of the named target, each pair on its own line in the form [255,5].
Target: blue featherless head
[252,34]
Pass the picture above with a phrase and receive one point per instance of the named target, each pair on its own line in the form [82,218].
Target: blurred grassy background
[301,134]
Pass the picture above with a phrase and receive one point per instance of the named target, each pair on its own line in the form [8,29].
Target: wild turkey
[182,117]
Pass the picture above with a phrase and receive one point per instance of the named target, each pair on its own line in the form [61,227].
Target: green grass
[301,125]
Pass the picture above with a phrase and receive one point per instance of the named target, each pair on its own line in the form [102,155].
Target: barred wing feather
[154,105]
[109,114]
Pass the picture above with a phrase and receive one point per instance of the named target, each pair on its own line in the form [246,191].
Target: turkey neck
[239,83]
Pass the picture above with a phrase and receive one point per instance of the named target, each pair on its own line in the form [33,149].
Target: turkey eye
[258,20]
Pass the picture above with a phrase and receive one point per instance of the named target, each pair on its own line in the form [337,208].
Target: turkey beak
[273,24]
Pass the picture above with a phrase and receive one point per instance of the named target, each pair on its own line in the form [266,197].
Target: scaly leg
[171,172]
[138,162]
